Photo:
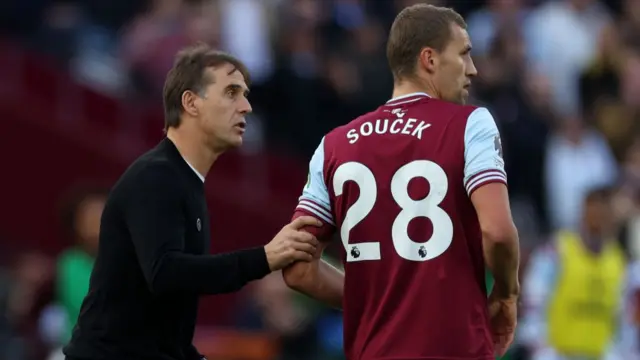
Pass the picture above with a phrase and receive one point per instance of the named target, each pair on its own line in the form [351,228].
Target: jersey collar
[407,98]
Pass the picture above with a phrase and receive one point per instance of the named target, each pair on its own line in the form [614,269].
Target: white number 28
[427,207]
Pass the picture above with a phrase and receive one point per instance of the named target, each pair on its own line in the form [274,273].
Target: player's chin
[234,141]
[464,96]
[460,99]
[235,138]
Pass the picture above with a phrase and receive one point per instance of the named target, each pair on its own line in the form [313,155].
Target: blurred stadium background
[80,86]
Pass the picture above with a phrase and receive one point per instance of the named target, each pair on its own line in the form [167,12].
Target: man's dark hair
[416,27]
[599,194]
[188,73]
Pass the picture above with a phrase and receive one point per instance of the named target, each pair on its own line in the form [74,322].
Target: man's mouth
[241,126]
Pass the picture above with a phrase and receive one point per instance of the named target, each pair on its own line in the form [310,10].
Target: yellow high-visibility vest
[583,308]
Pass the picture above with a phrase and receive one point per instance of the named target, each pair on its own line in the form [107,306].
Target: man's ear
[190,102]
[428,59]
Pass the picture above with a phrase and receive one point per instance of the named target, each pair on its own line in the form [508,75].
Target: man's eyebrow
[238,88]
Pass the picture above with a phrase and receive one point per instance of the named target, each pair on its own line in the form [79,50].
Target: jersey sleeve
[315,196]
[482,152]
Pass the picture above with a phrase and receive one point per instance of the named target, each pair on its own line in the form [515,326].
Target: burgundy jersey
[396,184]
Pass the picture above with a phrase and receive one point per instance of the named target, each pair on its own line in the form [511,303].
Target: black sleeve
[154,214]
[191,353]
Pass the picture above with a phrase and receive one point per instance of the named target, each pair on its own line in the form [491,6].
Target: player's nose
[471,70]
[244,107]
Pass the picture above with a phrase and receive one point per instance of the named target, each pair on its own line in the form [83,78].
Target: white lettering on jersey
[381,127]
[315,202]
[482,151]
[428,207]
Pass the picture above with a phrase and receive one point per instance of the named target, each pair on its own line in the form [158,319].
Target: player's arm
[486,183]
[317,279]
[153,212]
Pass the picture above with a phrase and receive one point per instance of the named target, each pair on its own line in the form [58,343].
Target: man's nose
[471,70]
[245,106]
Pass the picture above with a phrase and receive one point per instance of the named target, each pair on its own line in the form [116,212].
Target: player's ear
[428,59]
[190,102]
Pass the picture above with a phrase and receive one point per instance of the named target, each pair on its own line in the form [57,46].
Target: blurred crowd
[561,77]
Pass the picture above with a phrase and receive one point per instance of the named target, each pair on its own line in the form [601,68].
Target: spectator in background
[561,39]
[271,308]
[520,101]
[367,46]
[151,41]
[630,22]
[305,328]
[485,23]
[29,291]
[297,78]
[577,159]
[572,288]
[630,74]
[609,89]
[58,31]
[11,348]
[627,344]
[627,201]
[249,18]
[74,265]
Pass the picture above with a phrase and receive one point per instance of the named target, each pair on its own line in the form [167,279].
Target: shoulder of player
[466,112]
[447,109]
[476,118]
[341,130]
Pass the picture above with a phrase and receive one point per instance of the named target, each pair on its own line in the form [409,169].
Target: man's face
[88,222]
[222,107]
[598,215]
[454,67]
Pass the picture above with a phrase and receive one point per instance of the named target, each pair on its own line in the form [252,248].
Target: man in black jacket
[153,260]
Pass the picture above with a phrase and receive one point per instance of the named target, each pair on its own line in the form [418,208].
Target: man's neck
[408,87]
[193,149]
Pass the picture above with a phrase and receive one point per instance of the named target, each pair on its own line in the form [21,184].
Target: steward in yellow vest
[583,308]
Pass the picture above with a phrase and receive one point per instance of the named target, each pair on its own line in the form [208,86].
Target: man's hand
[503,314]
[292,244]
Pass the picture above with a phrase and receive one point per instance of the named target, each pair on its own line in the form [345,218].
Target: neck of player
[407,87]
[193,147]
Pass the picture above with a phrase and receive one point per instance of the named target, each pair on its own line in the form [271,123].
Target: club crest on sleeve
[199,224]
[497,144]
